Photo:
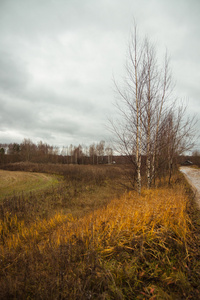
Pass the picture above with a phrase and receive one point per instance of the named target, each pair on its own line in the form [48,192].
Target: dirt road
[193,177]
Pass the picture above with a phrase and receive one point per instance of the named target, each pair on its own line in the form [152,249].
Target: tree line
[96,153]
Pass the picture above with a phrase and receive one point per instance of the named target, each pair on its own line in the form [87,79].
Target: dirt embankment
[193,177]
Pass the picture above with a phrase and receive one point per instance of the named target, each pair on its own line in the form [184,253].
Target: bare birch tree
[158,87]
[128,130]
[151,122]
[92,152]
[177,135]
[142,104]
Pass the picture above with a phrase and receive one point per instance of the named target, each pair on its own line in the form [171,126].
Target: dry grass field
[85,237]
[18,182]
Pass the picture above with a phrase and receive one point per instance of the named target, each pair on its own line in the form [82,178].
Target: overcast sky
[58,59]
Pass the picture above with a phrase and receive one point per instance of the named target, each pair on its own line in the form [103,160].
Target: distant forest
[96,153]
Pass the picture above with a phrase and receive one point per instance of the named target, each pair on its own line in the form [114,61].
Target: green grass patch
[26,182]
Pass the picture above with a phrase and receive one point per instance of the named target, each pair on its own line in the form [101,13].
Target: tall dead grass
[135,247]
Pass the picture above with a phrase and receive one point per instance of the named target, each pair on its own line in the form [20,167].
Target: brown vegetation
[84,239]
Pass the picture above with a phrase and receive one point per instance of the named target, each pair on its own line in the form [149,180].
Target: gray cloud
[57,59]
[13,78]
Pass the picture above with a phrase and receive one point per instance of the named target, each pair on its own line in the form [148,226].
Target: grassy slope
[17,182]
[86,246]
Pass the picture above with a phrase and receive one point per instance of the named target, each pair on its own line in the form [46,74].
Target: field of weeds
[88,238]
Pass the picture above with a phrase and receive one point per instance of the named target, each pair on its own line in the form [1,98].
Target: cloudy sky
[58,59]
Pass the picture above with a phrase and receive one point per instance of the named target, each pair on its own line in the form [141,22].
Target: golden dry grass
[17,182]
[134,247]
[155,212]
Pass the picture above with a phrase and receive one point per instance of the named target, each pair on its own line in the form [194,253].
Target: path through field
[17,182]
[193,177]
